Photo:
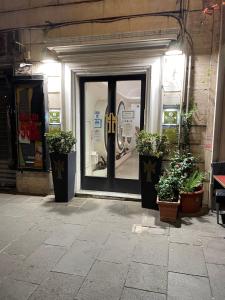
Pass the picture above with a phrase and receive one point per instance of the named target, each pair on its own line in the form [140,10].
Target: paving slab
[3,244]
[105,249]
[187,259]
[38,295]
[147,277]
[188,287]
[27,243]
[133,294]
[185,236]
[152,250]
[99,290]
[16,290]
[108,272]
[11,228]
[214,250]
[206,225]
[119,248]
[64,235]
[79,259]
[36,267]
[217,280]
[95,232]
[8,264]
[59,284]
[105,281]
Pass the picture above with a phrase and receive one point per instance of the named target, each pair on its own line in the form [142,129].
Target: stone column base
[34,183]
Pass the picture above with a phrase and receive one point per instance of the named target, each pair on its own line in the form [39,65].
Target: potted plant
[168,198]
[60,144]
[192,193]
[151,148]
[184,165]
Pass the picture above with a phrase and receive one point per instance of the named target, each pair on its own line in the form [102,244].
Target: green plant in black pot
[61,142]
[63,160]
[151,144]
[151,148]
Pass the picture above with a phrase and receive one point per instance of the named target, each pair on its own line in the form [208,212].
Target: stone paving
[93,249]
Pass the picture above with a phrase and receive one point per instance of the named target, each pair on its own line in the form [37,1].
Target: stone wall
[205,31]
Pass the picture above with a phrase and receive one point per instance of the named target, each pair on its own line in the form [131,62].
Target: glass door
[112,113]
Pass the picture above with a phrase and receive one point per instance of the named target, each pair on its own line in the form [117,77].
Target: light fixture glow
[173,52]
[48,61]
[22,65]
[48,56]
[174,48]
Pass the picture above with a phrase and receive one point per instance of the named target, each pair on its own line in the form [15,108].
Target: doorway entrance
[112,113]
[7,131]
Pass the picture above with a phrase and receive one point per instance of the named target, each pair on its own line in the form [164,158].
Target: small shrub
[168,187]
[60,142]
[151,144]
[194,181]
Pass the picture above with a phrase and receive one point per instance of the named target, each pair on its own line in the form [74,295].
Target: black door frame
[109,183]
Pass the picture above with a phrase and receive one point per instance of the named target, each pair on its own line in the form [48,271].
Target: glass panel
[128,109]
[96,101]
[172,98]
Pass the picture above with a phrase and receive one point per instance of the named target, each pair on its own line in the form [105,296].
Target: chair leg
[217,212]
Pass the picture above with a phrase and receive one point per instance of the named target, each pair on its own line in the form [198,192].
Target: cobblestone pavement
[106,249]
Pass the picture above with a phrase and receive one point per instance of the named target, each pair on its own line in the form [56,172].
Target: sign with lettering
[54,116]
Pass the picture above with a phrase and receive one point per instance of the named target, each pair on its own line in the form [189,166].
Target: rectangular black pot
[63,173]
[150,167]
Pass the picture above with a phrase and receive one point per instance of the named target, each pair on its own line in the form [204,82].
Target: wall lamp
[174,48]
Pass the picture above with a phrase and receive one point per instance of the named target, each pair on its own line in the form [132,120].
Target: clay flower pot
[191,202]
[168,210]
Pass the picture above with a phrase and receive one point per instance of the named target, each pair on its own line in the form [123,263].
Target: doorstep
[108,195]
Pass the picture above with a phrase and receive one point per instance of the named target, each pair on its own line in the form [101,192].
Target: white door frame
[71,97]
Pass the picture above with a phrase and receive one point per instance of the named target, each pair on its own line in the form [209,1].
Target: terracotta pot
[191,202]
[168,210]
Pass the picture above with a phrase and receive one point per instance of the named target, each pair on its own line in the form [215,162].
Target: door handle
[111,121]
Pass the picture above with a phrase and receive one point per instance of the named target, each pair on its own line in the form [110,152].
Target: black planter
[63,173]
[150,172]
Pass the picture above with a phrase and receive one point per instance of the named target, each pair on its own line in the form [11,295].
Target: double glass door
[112,113]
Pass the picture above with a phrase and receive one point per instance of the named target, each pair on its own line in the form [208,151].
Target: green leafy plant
[151,144]
[183,163]
[61,142]
[186,124]
[194,181]
[181,176]
[168,187]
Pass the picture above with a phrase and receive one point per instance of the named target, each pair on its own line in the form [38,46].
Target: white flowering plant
[60,142]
